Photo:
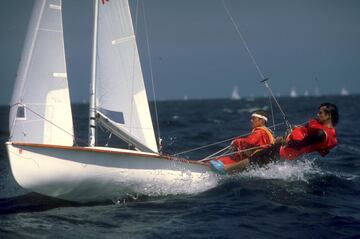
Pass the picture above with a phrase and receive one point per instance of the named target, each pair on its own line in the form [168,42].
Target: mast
[92,106]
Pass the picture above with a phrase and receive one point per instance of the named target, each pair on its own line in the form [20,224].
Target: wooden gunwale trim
[78,148]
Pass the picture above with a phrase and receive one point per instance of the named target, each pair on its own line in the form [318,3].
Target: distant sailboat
[306,93]
[40,148]
[344,92]
[293,93]
[235,94]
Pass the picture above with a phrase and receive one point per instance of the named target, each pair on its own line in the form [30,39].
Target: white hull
[93,174]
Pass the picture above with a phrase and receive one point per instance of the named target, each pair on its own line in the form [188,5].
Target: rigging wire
[243,40]
[288,125]
[151,74]
[263,79]
[272,113]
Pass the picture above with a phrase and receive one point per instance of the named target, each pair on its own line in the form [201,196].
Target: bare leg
[237,167]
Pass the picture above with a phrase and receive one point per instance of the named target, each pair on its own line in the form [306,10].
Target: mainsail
[40,107]
[121,100]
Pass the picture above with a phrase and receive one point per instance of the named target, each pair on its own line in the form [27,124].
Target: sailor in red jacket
[259,138]
[318,135]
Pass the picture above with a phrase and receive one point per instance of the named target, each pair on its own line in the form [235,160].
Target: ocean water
[312,197]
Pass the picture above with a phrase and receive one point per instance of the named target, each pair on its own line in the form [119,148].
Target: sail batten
[124,39]
[55,7]
[120,89]
[50,30]
[59,75]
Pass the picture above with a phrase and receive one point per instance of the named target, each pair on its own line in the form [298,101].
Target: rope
[218,142]
[151,74]
[209,145]
[234,152]
[211,155]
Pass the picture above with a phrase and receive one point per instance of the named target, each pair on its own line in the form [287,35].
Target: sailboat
[344,92]
[41,149]
[235,94]
[306,93]
[293,93]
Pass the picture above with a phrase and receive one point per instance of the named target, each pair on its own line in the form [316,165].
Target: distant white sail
[40,107]
[306,93]
[293,93]
[235,94]
[121,99]
[344,92]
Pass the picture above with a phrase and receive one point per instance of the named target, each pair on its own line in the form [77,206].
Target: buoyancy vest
[259,137]
[299,133]
[267,140]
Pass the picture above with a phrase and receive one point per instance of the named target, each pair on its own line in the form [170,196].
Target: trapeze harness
[260,137]
[300,134]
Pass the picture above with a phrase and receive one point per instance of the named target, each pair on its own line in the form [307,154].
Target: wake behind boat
[41,152]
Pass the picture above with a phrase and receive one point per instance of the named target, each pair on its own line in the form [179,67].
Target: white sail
[40,107]
[293,93]
[235,94]
[344,92]
[121,99]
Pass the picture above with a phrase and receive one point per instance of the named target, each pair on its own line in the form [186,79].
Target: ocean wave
[300,170]
[305,170]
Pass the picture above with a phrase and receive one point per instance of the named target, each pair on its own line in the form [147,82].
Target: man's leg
[238,166]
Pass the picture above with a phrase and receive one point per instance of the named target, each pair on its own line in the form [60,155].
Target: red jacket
[300,133]
[260,136]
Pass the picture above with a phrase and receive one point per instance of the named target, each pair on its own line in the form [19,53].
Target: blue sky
[196,51]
